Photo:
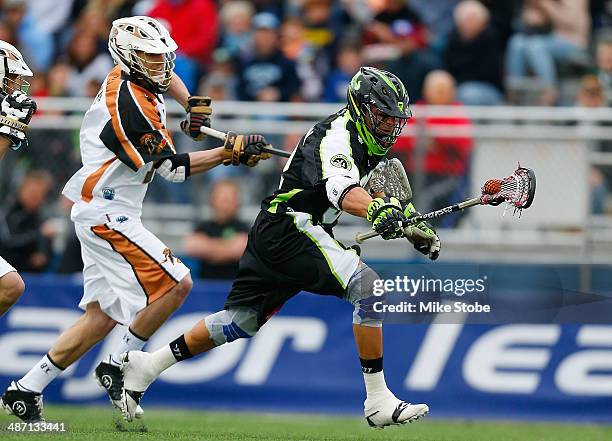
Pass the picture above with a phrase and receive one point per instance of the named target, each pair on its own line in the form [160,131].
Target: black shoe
[110,378]
[25,405]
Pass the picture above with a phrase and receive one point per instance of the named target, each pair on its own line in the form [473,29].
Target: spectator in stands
[220,81]
[86,64]
[322,30]
[591,95]
[446,157]
[266,74]
[553,31]
[348,62]
[503,17]
[604,66]
[236,31]
[35,44]
[473,56]
[194,26]
[438,17]
[219,242]
[25,237]
[298,49]
[398,39]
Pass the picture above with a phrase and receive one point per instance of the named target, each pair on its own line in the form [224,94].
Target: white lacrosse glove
[174,170]
[17,108]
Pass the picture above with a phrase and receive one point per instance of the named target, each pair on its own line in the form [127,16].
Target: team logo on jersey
[153,142]
[108,193]
[168,256]
[341,161]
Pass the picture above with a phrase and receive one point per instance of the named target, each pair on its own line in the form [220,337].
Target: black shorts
[286,254]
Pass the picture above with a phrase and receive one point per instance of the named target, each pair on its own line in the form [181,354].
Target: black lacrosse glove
[198,114]
[387,217]
[422,235]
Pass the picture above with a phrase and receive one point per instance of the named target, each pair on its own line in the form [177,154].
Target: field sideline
[99,423]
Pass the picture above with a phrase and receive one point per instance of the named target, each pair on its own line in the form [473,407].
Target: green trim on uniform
[320,247]
[283,197]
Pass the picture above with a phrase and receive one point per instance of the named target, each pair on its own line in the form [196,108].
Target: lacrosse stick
[220,135]
[389,177]
[517,190]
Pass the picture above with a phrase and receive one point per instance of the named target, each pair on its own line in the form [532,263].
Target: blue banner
[305,360]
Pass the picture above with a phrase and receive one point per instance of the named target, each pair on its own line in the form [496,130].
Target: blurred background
[492,84]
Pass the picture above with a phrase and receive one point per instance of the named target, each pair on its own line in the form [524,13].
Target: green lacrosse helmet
[374,96]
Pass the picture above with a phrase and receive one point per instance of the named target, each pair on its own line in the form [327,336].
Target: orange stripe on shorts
[154,279]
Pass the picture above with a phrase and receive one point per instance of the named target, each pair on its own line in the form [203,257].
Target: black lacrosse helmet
[373,97]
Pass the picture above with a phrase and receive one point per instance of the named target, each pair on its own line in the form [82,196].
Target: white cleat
[137,376]
[390,411]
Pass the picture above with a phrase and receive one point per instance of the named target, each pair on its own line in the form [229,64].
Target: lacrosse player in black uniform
[291,247]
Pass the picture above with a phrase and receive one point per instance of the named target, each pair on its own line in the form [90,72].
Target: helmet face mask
[157,68]
[13,82]
[13,69]
[143,49]
[378,104]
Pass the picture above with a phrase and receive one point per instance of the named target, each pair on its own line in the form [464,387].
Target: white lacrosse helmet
[12,63]
[131,38]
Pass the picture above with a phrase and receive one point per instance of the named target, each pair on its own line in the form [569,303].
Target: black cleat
[24,404]
[110,378]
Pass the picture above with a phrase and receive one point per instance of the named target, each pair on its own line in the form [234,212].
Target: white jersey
[122,135]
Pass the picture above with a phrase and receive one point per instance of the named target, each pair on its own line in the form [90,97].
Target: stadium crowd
[451,52]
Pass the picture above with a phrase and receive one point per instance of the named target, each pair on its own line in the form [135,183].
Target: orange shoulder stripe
[113,82]
[147,102]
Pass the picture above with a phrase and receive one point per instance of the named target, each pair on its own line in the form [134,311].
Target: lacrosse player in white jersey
[16,110]
[130,276]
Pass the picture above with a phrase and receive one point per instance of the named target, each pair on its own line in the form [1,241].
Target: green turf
[97,423]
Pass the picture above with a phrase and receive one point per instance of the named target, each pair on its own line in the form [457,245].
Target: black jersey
[331,148]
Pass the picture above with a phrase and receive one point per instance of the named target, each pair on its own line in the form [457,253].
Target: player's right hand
[198,115]
[245,149]
[422,235]
[387,217]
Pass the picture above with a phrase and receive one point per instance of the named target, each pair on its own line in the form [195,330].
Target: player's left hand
[171,172]
[18,106]
[198,115]
[422,235]
[245,149]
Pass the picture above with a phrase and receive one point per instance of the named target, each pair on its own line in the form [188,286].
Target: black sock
[179,349]
[371,366]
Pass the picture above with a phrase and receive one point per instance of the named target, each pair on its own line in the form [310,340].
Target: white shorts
[5,267]
[125,267]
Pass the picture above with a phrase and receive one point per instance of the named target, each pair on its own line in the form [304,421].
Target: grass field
[100,423]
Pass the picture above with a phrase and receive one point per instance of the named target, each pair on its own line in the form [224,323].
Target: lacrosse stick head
[390,177]
[517,190]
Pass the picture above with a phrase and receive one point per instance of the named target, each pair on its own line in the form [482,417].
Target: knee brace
[231,324]
[360,293]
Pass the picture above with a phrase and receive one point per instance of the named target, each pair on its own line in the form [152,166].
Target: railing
[559,143]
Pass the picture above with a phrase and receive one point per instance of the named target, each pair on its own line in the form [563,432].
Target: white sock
[375,385]
[162,359]
[43,373]
[129,342]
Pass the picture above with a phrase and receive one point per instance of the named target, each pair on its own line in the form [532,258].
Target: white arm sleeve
[337,186]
